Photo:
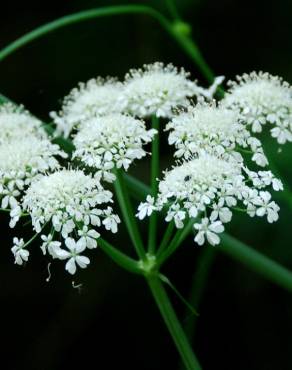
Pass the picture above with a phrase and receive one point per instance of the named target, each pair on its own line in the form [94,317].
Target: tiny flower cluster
[110,141]
[70,204]
[207,128]
[16,122]
[96,97]
[207,188]
[262,99]
[25,153]
[158,89]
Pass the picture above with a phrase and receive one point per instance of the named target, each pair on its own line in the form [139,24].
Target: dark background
[245,322]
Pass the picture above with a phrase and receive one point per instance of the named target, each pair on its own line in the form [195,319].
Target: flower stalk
[169,316]
[154,185]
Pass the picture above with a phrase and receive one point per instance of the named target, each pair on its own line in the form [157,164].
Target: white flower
[207,128]
[21,160]
[50,245]
[209,231]
[266,207]
[206,188]
[176,214]
[111,220]
[15,215]
[20,254]
[16,123]
[88,237]
[146,208]
[262,99]
[94,98]
[115,140]
[73,255]
[156,89]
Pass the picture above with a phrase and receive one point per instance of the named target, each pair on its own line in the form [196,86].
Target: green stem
[166,237]
[172,9]
[128,215]
[199,283]
[154,185]
[257,262]
[183,40]
[172,323]
[138,189]
[179,237]
[120,258]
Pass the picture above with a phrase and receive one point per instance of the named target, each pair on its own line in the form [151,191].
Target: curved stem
[128,215]
[154,185]
[120,258]
[172,9]
[172,323]
[257,262]
[183,40]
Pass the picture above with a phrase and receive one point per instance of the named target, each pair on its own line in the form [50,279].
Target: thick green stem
[257,262]
[120,258]
[172,323]
[128,215]
[238,250]
[152,236]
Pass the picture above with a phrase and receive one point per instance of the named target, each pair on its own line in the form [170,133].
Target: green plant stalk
[178,239]
[172,9]
[198,286]
[120,258]
[257,262]
[172,323]
[182,39]
[152,235]
[128,215]
[239,251]
[166,238]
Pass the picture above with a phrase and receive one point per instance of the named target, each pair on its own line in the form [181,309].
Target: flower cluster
[70,204]
[96,97]
[115,140]
[158,89]
[22,160]
[154,89]
[207,128]
[207,188]
[262,99]
[16,122]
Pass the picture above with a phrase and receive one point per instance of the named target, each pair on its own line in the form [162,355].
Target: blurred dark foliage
[245,322]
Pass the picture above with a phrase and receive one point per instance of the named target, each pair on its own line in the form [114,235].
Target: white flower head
[207,128]
[96,97]
[115,140]
[156,89]
[208,188]
[16,123]
[21,160]
[20,254]
[70,204]
[262,99]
